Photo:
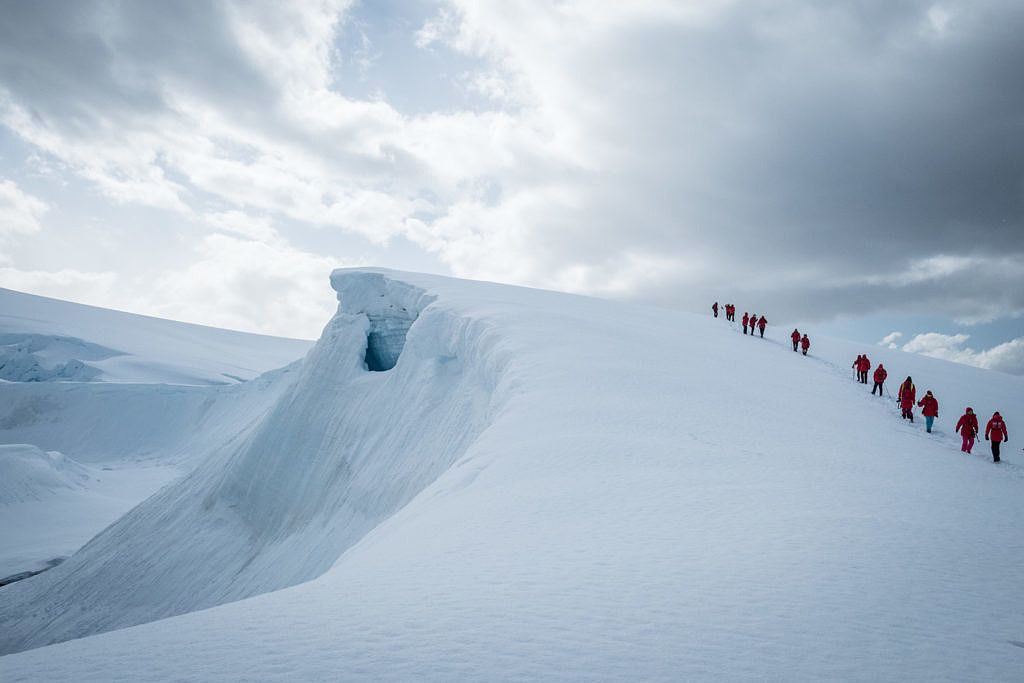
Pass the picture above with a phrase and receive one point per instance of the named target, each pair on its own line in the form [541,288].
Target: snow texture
[45,339]
[523,496]
[27,473]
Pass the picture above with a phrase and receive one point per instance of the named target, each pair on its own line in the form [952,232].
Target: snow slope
[127,402]
[547,486]
[44,339]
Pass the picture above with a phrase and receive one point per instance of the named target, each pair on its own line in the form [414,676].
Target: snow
[27,473]
[525,496]
[44,339]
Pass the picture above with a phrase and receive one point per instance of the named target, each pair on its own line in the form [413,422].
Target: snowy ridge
[27,473]
[526,496]
[46,340]
[340,451]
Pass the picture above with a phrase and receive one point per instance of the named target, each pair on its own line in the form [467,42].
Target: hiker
[732,312]
[753,324]
[906,398]
[880,375]
[761,324]
[746,321]
[805,344]
[856,365]
[714,307]
[865,365]
[967,425]
[996,428]
[796,338]
[930,410]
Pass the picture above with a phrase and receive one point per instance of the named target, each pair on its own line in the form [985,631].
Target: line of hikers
[967,426]
[754,323]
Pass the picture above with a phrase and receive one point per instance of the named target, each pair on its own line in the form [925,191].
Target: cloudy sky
[854,166]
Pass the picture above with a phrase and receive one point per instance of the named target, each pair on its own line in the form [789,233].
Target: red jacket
[714,307]
[996,428]
[857,363]
[763,322]
[930,405]
[880,374]
[753,321]
[795,336]
[865,364]
[968,422]
[746,319]
[805,343]
[907,395]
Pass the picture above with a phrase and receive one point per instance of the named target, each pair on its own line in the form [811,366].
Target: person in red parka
[761,324]
[805,344]
[796,339]
[996,428]
[967,425]
[714,307]
[880,375]
[856,366]
[865,365]
[746,321]
[930,409]
[753,324]
[906,398]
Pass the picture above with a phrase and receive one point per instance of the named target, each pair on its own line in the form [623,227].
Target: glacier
[465,480]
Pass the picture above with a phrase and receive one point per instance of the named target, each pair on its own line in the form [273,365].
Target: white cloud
[66,283]
[890,339]
[272,288]
[1006,357]
[20,212]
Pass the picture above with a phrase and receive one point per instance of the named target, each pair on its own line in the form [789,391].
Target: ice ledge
[390,305]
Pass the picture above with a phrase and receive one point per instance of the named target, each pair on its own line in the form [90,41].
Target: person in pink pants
[967,425]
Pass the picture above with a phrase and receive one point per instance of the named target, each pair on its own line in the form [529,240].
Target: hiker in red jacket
[746,321]
[714,307]
[753,324]
[865,365]
[996,428]
[732,312]
[930,409]
[967,425]
[906,398]
[805,344]
[856,365]
[796,338]
[761,324]
[880,375]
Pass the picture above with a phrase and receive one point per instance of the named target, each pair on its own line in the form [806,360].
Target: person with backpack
[753,324]
[880,375]
[906,398]
[746,321]
[996,428]
[930,409]
[856,366]
[761,324]
[967,426]
[865,365]
[714,307]
[796,339]
[805,344]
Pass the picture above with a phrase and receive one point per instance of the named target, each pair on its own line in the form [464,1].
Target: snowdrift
[341,450]
[27,473]
[553,487]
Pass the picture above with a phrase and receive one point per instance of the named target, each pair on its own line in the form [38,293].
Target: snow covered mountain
[44,339]
[471,481]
